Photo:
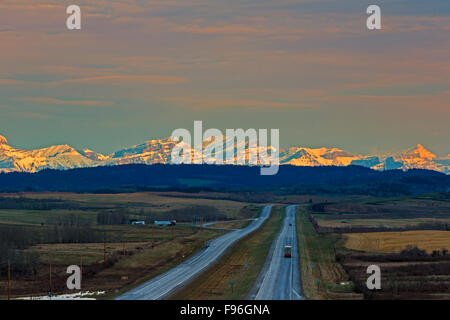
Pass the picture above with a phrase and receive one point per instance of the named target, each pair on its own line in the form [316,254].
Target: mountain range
[159,151]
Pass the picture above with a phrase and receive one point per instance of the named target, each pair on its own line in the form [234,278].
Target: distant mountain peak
[3,140]
[160,151]
[421,152]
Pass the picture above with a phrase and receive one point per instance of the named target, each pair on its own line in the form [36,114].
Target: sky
[139,69]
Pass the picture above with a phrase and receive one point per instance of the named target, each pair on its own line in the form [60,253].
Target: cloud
[120,78]
[55,101]
[31,115]
[11,82]
[216,102]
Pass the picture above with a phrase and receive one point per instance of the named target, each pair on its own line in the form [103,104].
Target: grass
[142,233]
[428,240]
[231,224]
[149,263]
[38,217]
[156,202]
[241,264]
[317,261]
[324,220]
[141,262]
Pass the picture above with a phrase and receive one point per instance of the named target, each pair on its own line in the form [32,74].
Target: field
[240,264]
[338,238]
[317,260]
[407,237]
[39,217]
[52,231]
[158,203]
[410,274]
[128,263]
[428,240]
[325,222]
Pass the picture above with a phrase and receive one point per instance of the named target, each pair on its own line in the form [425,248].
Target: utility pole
[9,280]
[51,277]
[81,265]
[201,224]
[153,236]
[123,247]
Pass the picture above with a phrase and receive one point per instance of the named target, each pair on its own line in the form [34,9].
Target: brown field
[140,262]
[398,208]
[158,202]
[375,223]
[428,240]
[128,263]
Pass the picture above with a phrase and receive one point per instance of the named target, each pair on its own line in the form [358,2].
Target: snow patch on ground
[86,295]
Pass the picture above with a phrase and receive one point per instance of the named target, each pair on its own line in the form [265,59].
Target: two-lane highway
[281,275]
[165,284]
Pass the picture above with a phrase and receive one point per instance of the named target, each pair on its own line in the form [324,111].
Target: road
[167,283]
[280,278]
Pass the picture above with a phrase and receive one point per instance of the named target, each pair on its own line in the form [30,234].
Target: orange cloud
[114,78]
[216,102]
[31,115]
[83,103]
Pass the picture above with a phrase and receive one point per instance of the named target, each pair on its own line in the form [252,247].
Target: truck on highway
[287,251]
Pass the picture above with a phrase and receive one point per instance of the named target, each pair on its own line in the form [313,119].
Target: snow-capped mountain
[159,151]
[299,156]
[417,157]
[54,157]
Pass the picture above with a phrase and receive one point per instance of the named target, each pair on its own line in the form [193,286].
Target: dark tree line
[20,237]
[15,243]
[21,262]
[342,180]
[113,217]
[67,220]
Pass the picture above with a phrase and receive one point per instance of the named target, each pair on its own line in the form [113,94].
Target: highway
[167,283]
[280,276]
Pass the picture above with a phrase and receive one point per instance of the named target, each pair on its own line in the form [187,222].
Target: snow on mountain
[54,157]
[159,151]
[92,155]
[150,152]
[299,156]
[3,141]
